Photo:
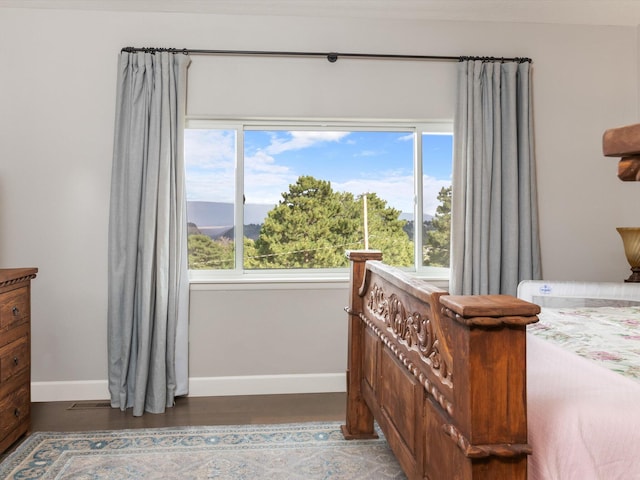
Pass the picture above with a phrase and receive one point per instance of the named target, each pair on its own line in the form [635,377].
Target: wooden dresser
[15,354]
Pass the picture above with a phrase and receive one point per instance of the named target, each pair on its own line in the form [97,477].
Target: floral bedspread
[609,336]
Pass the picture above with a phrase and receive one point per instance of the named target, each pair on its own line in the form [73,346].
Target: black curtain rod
[330,56]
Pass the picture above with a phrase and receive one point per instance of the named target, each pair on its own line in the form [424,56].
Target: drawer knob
[16,413]
[15,311]
[16,360]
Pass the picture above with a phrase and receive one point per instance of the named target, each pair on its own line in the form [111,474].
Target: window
[283,198]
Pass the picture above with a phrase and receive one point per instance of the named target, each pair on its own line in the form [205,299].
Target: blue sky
[354,161]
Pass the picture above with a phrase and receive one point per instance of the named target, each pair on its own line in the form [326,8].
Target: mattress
[583,387]
[583,419]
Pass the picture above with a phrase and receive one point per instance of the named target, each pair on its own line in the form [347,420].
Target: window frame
[320,275]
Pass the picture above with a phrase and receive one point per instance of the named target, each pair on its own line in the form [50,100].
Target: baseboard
[266,384]
[200,386]
[69,391]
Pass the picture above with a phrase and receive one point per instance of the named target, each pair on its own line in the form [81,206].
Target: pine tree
[208,254]
[386,231]
[313,226]
[438,241]
[310,227]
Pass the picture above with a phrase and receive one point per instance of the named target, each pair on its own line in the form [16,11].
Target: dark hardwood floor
[188,411]
[191,411]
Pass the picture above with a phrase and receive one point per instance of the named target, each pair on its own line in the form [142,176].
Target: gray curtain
[494,233]
[148,285]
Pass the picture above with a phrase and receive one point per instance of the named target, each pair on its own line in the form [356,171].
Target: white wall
[57,89]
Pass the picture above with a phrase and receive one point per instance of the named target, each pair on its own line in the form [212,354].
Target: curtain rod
[330,56]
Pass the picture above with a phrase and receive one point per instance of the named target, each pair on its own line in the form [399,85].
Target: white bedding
[583,419]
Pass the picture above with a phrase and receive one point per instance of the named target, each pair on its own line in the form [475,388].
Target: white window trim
[287,278]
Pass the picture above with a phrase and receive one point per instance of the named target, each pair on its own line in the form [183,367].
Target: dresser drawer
[15,354]
[14,307]
[14,358]
[14,410]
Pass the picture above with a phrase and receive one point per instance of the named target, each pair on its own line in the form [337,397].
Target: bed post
[359,419]
[488,333]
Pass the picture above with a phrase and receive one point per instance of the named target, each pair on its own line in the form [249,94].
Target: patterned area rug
[293,451]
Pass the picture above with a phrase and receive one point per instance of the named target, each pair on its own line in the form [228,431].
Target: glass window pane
[304,193]
[210,157]
[437,155]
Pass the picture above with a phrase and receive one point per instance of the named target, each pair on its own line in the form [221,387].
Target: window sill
[199,281]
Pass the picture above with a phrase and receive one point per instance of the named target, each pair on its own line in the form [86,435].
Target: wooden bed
[444,376]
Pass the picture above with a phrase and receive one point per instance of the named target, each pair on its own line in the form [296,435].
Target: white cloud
[397,190]
[263,162]
[430,189]
[264,180]
[266,187]
[303,139]
[211,149]
[407,138]
[211,187]
[370,153]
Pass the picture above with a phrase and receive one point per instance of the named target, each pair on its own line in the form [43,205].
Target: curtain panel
[494,233]
[148,283]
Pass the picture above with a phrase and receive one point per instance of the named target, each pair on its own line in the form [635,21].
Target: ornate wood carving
[505,450]
[12,281]
[416,332]
[429,387]
[412,328]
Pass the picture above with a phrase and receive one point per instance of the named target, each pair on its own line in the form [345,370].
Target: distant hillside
[220,214]
[215,219]
[256,213]
[209,214]
[409,217]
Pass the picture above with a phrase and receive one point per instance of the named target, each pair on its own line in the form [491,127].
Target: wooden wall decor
[624,142]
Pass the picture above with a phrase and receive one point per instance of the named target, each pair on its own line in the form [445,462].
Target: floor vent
[89,405]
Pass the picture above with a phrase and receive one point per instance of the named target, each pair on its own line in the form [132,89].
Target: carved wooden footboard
[444,376]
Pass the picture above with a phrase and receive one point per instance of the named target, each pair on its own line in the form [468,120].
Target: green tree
[251,257]
[438,241]
[386,231]
[312,226]
[208,254]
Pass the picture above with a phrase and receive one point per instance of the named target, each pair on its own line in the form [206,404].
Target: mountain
[409,217]
[220,214]
[210,214]
[215,219]
[255,213]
